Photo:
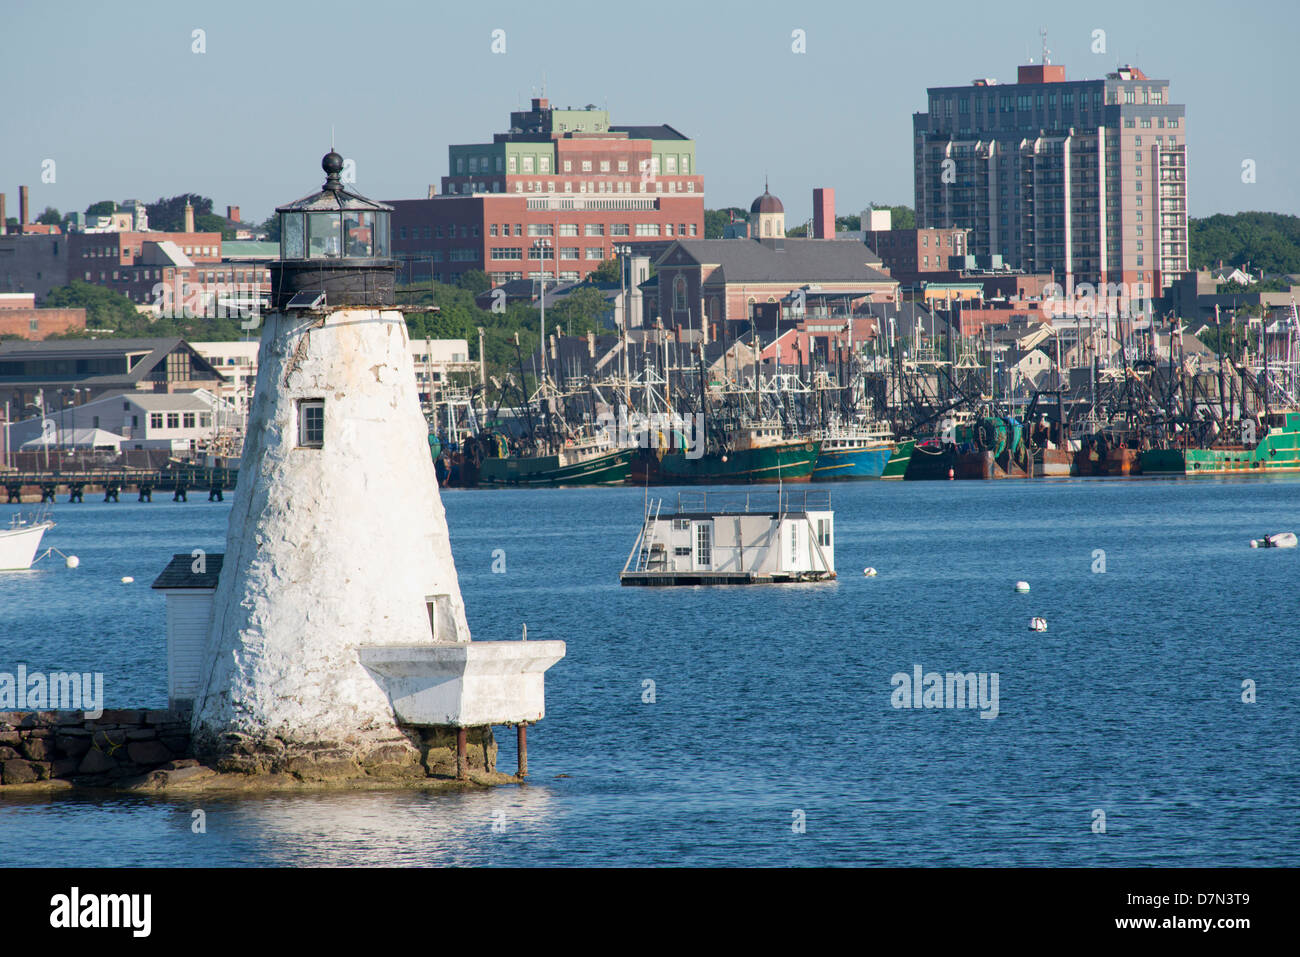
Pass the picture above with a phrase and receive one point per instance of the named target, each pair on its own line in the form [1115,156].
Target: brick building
[561,183]
[20,317]
[1086,178]
[911,251]
[706,282]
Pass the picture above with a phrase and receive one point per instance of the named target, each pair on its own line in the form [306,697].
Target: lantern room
[335,243]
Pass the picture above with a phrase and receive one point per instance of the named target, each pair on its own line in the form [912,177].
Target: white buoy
[869,572]
[127,579]
[1022,586]
[72,561]
[1254,543]
[1037,624]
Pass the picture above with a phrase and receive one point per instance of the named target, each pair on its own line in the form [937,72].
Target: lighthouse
[338,644]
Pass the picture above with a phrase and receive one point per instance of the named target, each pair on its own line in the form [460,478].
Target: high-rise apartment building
[551,198]
[1087,178]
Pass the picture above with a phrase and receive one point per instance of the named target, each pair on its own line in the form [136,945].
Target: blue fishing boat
[853,452]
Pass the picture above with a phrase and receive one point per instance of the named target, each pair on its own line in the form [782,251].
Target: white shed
[735,538]
[188,583]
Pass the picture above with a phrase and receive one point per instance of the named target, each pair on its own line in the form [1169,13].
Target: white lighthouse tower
[338,633]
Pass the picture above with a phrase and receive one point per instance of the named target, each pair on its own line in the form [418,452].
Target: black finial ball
[332,163]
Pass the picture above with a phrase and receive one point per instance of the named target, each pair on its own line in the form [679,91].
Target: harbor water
[756,725]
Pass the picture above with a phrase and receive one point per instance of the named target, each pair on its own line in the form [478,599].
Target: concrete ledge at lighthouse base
[464,684]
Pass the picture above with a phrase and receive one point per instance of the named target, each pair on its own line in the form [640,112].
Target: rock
[8,737]
[193,772]
[160,717]
[177,744]
[142,734]
[72,745]
[36,749]
[8,754]
[177,765]
[109,740]
[64,767]
[122,716]
[148,752]
[96,762]
[19,772]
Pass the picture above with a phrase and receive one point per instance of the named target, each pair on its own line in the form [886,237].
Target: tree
[580,312]
[105,207]
[211,223]
[50,217]
[474,281]
[272,227]
[848,223]
[1251,240]
[168,215]
[105,308]
[901,217]
[608,271]
[715,220]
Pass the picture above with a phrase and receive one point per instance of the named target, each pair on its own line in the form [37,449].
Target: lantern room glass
[358,234]
[323,236]
[292,244]
[381,235]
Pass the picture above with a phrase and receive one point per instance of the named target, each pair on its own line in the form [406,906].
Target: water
[774,700]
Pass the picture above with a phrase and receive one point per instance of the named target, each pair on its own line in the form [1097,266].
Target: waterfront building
[64,372]
[176,422]
[1083,178]
[551,198]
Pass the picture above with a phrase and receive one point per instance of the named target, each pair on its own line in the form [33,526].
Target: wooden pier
[21,487]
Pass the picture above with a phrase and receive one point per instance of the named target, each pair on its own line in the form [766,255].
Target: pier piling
[521,731]
[462,754]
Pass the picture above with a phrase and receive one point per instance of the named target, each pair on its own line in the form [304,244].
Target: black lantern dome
[334,242]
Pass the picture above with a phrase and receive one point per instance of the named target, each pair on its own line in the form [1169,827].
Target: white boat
[19,542]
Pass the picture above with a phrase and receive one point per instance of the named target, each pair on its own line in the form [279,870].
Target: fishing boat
[896,467]
[737,538]
[990,447]
[856,451]
[748,454]
[1278,450]
[589,462]
[19,542]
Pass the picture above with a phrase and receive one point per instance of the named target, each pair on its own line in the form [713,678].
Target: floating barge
[735,538]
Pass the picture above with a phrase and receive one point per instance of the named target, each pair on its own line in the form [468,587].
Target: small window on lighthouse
[311,423]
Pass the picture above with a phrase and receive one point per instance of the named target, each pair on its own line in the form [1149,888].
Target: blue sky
[114,94]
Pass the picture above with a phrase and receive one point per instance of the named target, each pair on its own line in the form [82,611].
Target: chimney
[3,228]
[433,191]
[22,207]
[823,213]
[232,214]
[189,218]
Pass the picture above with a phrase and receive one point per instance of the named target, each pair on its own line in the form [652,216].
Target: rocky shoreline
[139,750]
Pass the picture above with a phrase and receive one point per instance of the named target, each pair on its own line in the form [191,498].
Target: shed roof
[180,573]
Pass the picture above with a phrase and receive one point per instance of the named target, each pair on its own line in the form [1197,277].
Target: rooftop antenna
[1042,32]
[331,137]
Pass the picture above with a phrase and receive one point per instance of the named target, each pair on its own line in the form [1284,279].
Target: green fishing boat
[896,467]
[577,466]
[1277,451]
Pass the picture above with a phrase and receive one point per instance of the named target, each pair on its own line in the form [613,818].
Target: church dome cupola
[767,214]
[337,242]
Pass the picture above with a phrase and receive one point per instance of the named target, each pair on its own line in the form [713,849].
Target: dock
[22,487]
